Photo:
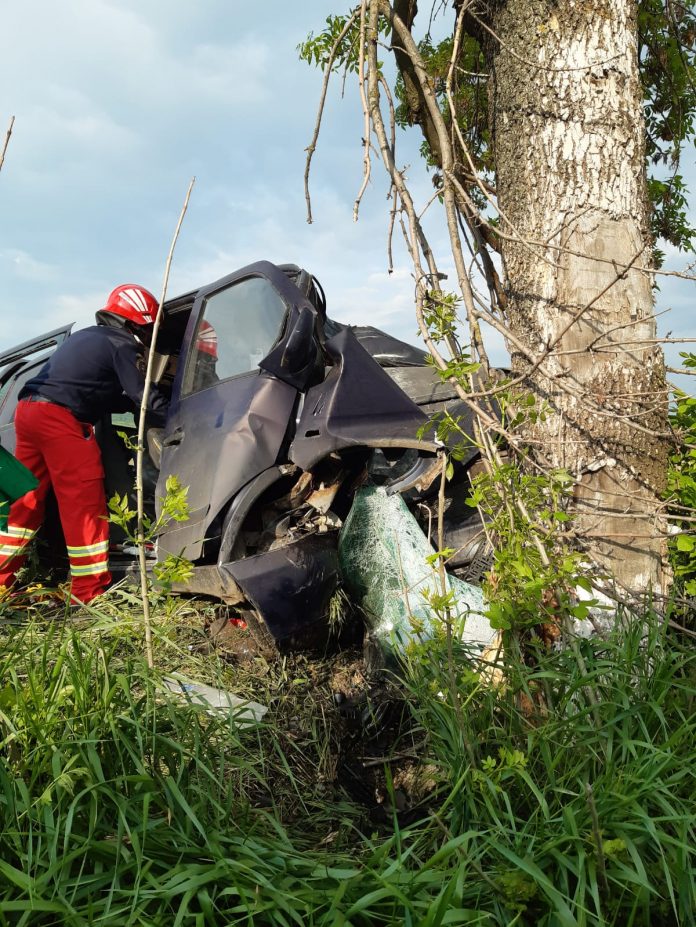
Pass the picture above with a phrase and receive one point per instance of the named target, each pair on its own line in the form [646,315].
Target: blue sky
[118,103]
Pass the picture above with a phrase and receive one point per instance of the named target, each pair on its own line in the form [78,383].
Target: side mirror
[299,347]
[294,358]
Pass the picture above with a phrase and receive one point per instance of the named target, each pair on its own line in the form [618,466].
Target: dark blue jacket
[90,373]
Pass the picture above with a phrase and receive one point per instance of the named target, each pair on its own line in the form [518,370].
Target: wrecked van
[277,416]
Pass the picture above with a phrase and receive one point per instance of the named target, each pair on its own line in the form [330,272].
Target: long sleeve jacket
[97,371]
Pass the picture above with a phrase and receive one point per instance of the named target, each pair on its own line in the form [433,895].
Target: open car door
[229,414]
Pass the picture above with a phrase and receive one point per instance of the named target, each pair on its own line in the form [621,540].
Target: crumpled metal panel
[240,507]
[387,350]
[291,587]
[422,384]
[357,404]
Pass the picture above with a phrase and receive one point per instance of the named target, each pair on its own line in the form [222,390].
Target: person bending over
[95,372]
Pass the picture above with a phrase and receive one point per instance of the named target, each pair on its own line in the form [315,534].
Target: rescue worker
[97,371]
[207,357]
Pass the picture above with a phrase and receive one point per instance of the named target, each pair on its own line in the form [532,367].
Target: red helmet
[133,303]
[207,341]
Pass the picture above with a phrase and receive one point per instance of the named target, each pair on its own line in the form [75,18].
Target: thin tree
[140,500]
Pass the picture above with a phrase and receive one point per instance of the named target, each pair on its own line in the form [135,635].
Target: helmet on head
[131,303]
[207,341]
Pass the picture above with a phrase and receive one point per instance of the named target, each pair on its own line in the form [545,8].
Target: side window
[15,375]
[4,390]
[238,328]
[11,389]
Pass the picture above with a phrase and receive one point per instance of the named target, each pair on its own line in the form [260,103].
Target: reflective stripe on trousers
[13,542]
[62,453]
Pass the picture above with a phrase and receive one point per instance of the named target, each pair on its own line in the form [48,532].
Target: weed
[681,487]
[121,805]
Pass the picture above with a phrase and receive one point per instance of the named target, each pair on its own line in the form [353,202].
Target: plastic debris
[244,712]
[601,616]
[383,555]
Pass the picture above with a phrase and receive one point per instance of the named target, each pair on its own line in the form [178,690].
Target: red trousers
[63,453]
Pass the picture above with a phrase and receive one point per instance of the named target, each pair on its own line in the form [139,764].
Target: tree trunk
[567,129]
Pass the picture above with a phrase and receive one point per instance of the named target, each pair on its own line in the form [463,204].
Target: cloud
[232,74]
[80,307]
[111,52]
[23,265]
[380,299]
[81,142]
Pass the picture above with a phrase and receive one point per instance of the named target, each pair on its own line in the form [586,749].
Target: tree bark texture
[567,129]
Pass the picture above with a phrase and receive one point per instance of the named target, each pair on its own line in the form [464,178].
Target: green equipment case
[15,481]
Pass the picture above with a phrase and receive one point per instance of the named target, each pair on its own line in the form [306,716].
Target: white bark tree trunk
[567,130]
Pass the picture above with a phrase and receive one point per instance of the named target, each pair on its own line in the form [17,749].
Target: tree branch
[140,537]
[320,111]
[7,141]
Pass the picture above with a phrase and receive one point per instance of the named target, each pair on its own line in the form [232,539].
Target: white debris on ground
[243,712]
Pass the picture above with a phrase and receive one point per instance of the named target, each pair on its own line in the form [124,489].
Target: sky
[119,103]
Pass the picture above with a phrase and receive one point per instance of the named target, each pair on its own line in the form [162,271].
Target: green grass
[564,797]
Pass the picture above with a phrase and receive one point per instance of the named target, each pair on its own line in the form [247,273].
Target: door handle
[176,437]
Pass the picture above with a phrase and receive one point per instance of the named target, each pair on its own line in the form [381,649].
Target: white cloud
[110,52]
[23,265]
[380,299]
[79,307]
[81,138]
[233,74]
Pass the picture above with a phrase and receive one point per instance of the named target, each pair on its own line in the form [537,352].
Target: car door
[228,418]
[17,365]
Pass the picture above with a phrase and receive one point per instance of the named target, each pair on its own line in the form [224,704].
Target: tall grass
[564,797]
[576,780]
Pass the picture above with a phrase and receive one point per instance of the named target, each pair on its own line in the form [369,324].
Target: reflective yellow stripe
[88,550]
[8,552]
[90,569]
[23,533]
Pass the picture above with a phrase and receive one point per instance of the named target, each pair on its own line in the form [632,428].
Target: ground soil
[373,750]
